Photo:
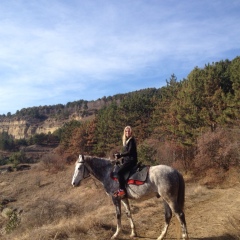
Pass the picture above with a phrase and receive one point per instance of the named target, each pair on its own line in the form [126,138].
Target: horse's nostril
[75,184]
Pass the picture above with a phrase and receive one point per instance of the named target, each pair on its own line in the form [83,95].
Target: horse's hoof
[185,236]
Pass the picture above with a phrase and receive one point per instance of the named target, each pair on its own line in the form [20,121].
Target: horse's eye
[79,168]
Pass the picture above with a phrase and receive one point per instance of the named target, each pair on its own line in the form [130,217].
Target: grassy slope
[52,209]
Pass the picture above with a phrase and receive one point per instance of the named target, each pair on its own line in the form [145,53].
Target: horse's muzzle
[76,184]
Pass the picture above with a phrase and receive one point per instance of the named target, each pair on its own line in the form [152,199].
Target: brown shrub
[176,155]
[52,162]
[213,177]
[218,149]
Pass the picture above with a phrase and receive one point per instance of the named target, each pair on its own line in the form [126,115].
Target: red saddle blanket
[138,177]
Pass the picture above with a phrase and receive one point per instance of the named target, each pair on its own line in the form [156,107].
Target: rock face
[25,127]
[20,129]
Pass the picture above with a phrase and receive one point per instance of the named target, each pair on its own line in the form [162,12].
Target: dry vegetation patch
[50,208]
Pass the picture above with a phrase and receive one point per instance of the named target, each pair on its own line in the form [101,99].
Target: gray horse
[162,181]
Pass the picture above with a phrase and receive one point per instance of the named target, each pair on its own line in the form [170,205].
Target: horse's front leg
[129,215]
[117,203]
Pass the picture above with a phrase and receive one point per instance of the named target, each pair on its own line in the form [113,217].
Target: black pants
[122,170]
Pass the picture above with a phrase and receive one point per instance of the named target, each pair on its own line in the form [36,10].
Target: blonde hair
[124,140]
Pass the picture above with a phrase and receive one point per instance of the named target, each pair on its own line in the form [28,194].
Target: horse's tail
[181,191]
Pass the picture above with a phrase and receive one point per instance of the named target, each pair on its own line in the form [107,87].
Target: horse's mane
[101,162]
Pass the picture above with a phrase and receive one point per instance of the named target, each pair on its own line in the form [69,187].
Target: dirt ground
[210,214]
[88,213]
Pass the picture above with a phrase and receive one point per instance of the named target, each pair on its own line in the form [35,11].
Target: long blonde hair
[124,140]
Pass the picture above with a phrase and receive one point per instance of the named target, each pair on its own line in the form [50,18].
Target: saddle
[136,176]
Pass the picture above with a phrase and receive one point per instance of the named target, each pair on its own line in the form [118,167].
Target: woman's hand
[117,155]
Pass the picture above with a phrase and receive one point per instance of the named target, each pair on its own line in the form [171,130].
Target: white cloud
[49,49]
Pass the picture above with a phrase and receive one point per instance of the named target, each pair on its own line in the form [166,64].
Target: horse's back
[163,171]
[165,178]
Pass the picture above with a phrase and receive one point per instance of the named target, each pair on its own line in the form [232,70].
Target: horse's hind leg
[168,216]
[129,215]
[181,218]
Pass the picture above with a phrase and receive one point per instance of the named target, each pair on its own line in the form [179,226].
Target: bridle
[86,172]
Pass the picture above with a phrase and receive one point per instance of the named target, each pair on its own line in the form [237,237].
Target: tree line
[174,117]
[168,122]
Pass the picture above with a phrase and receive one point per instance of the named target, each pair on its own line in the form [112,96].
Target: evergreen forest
[195,118]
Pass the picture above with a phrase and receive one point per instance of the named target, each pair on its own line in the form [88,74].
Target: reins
[89,175]
[84,170]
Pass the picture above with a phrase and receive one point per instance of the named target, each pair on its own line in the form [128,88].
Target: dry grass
[52,209]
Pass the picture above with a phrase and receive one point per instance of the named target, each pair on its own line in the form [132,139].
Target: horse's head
[80,171]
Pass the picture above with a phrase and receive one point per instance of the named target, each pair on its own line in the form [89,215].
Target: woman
[129,160]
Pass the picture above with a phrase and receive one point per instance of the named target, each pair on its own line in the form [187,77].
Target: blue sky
[59,51]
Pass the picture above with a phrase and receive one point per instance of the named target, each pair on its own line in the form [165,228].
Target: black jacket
[130,151]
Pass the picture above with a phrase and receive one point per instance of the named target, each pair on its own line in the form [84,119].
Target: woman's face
[127,132]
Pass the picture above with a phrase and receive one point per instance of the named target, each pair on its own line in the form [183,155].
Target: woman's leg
[127,166]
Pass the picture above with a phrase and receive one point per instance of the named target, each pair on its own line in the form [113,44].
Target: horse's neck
[99,167]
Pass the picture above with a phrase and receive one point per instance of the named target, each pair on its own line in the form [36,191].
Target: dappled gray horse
[162,181]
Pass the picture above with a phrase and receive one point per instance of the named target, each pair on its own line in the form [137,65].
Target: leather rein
[86,174]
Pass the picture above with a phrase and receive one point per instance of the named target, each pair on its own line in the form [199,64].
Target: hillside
[176,114]
[44,119]
[50,208]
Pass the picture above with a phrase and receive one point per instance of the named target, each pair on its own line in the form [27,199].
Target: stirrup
[119,193]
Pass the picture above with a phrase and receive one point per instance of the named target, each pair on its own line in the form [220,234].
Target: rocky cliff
[25,126]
